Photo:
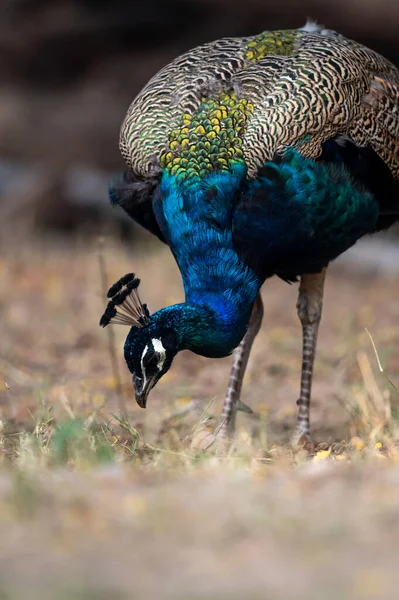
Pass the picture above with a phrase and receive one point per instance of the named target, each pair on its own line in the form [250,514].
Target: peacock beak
[142,388]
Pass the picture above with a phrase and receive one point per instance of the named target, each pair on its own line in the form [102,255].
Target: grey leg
[232,402]
[309,306]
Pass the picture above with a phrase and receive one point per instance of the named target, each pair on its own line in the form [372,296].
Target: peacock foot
[303,441]
[220,440]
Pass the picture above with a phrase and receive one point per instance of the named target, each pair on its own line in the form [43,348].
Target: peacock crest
[125,306]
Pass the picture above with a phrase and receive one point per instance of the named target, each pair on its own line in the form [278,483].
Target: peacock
[252,157]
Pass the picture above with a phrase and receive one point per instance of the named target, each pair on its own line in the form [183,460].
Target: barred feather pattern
[306,86]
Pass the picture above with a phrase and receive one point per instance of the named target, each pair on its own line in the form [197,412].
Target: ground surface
[92,506]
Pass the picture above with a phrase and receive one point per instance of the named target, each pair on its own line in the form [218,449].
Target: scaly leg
[309,306]
[232,402]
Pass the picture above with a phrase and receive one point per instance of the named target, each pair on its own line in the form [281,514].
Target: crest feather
[125,306]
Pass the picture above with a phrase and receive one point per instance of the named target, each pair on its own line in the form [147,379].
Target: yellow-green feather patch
[279,43]
[210,139]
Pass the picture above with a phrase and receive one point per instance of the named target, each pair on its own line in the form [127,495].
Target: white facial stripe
[161,355]
[142,365]
[161,352]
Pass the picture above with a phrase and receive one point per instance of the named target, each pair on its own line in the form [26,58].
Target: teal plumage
[253,157]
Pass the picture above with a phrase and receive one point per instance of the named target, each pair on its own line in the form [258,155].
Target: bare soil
[155,518]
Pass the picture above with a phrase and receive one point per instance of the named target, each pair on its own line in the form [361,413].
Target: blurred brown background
[69,69]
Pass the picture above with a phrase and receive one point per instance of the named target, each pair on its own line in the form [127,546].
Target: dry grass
[94,505]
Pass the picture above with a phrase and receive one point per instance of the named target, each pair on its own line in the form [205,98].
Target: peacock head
[152,341]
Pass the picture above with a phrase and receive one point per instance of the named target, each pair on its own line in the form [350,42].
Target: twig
[375,351]
[110,332]
[66,405]
[382,370]
[370,383]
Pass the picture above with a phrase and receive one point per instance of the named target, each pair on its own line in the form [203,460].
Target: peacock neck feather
[196,219]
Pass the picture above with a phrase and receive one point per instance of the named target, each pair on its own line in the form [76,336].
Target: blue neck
[220,289]
[211,329]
